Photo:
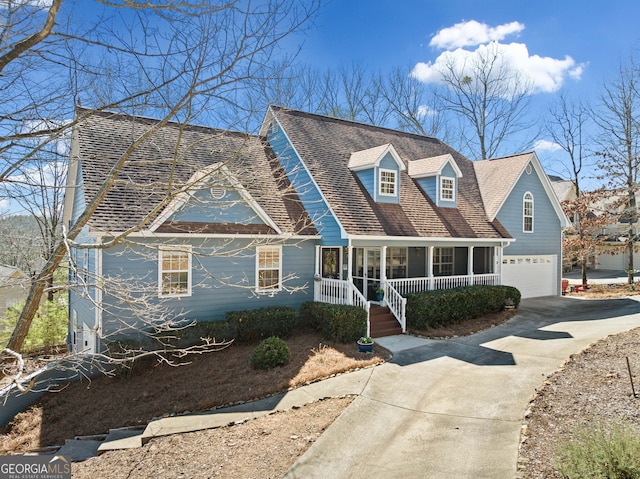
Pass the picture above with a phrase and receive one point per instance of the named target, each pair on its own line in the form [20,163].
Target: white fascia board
[428,239]
[343,231]
[153,234]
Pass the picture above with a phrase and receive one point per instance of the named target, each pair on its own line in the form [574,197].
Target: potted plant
[379,294]
[365,344]
[509,303]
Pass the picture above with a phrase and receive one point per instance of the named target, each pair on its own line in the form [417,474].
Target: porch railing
[396,304]
[405,286]
[337,291]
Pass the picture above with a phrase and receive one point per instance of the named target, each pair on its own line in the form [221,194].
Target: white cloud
[472,33]
[546,74]
[546,145]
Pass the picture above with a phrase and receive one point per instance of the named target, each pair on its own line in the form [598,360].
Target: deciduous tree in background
[177,61]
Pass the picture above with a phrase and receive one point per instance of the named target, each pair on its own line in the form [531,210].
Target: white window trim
[453,188]
[524,216]
[395,182]
[169,249]
[437,260]
[268,290]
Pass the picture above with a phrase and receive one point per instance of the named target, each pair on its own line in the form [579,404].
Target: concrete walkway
[454,409]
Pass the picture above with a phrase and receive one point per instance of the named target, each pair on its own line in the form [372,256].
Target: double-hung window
[388,180]
[268,269]
[442,261]
[527,213]
[447,192]
[174,272]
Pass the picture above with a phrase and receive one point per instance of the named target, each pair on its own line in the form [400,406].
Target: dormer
[378,169]
[438,177]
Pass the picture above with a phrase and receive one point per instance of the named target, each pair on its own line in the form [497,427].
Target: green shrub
[271,352]
[433,309]
[191,335]
[125,352]
[48,329]
[337,322]
[597,450]
[255,324]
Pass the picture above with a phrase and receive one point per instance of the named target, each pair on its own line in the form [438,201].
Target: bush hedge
[271,352]
[433,309]
[336,322]
[255,324]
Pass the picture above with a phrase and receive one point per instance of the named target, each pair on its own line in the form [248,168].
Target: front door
[331,263]
[366,271]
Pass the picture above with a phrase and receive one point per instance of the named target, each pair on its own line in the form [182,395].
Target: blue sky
[566,44]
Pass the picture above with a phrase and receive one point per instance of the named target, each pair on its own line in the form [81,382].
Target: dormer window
[447,189]
[379,169]
[388,182]
[438,177]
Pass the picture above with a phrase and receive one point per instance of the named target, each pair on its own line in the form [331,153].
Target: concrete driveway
[454,409]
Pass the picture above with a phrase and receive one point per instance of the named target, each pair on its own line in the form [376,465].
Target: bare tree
[618,120]
[192,61]
[567,127]
[489,98]
[415,107]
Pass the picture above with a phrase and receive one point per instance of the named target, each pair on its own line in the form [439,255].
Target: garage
[534,276]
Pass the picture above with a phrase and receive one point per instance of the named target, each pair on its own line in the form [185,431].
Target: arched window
[527,213]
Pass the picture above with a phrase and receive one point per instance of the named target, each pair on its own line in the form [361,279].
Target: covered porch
[366,274]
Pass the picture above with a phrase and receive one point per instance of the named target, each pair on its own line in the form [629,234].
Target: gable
[438,178]
[161,174]
[498,177]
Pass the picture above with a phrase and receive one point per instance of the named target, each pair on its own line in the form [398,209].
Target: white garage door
[533,275]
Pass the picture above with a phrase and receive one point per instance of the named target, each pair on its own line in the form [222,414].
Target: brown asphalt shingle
[151,175]
[326,145]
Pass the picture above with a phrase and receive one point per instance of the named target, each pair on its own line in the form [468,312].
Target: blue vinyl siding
[368,180]
[219,283]
[546,237]
[78,198]
[430,186]
[318,210]
[232,208]
[82,296]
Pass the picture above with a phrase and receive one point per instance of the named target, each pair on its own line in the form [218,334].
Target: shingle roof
[366,157]
[11,275]
[497,177]
[151,174]
[326,144]
[427,166]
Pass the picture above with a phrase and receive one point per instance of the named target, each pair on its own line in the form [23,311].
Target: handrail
[396,303]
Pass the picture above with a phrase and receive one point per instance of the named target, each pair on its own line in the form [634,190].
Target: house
[312,208]
[14,286]
[612,252]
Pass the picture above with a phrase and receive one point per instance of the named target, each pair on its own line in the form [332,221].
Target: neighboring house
[612,252]
[14,286]
[312,208]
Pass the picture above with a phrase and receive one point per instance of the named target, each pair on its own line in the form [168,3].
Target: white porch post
[430,266]
[470,265]
[498,259]
[383,265]
[316,284]
[349,261]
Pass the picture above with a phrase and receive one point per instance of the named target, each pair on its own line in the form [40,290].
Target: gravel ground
[593,385]
[261,448]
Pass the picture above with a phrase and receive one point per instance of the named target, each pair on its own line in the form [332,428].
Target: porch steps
[382,322]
